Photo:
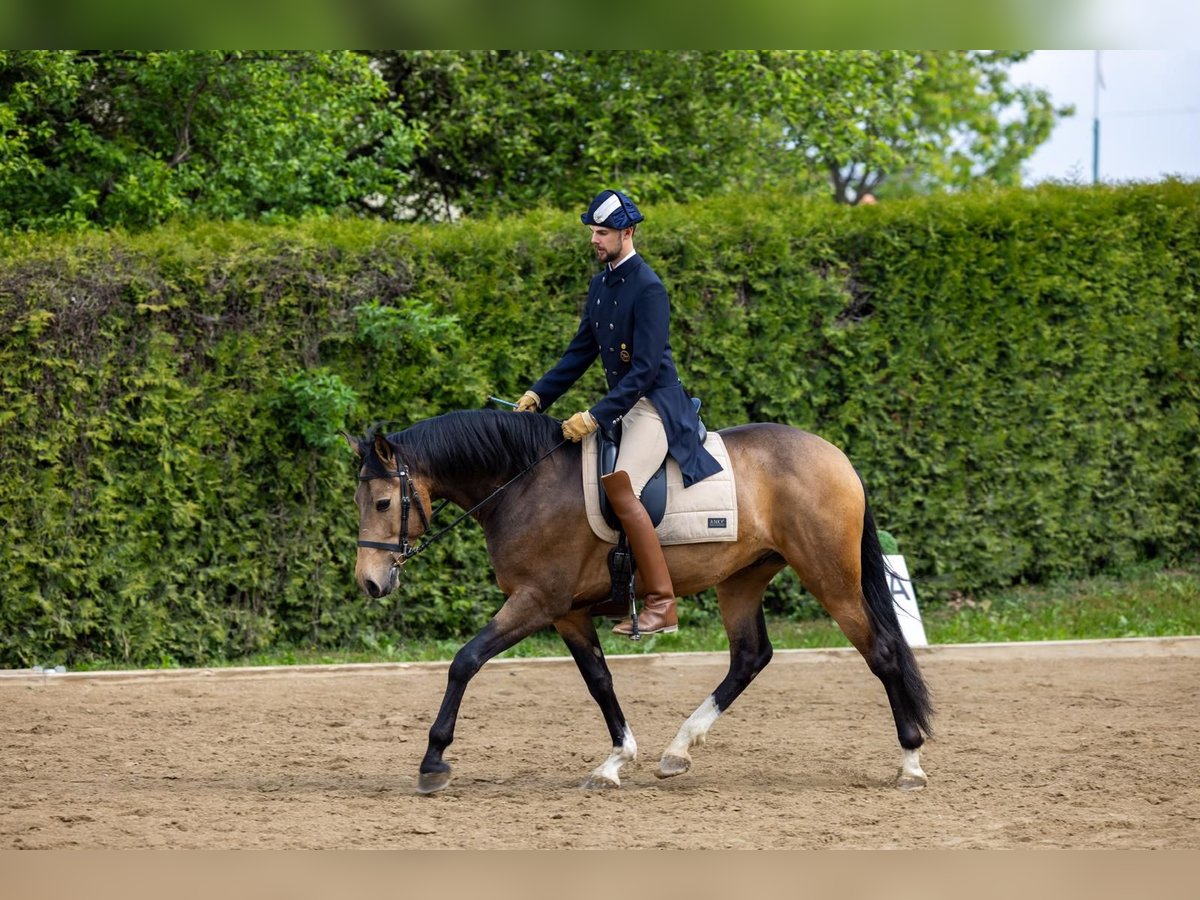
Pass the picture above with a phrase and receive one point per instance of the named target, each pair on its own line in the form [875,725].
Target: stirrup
[621,570]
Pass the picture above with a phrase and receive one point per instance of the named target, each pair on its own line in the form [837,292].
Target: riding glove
[579,426]
[529,402]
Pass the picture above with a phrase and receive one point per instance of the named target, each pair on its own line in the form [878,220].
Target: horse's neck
[466,491]
[470,492]
[463,494]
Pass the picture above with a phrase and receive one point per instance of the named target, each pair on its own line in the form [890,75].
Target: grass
[1148,603]
[1143,602]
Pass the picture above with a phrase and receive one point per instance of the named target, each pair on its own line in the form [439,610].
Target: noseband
[408,493]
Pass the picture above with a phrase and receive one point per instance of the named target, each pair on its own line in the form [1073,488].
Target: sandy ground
[1089,744]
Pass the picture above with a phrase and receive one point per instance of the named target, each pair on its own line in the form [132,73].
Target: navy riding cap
[612,209]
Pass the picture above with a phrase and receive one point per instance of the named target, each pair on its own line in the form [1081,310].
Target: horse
[800,503]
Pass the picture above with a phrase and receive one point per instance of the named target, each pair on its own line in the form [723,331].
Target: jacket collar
[624,270]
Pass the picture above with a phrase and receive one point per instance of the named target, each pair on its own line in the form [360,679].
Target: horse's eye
[381,505]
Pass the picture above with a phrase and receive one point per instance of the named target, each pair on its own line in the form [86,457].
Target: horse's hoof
[907,782]
[432,782]
[670,766]
[600,783]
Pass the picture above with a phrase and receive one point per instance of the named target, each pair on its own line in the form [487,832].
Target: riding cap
[612,209]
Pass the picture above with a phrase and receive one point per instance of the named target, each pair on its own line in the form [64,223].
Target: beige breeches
[643,444]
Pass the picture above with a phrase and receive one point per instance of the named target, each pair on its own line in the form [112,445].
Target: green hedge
[1014,374]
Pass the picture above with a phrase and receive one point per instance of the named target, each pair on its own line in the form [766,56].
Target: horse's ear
[356,445]
[384,451]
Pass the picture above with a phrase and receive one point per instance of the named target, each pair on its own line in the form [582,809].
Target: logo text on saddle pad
[717,523]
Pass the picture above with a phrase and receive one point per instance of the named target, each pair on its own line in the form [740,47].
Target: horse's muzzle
[378,584]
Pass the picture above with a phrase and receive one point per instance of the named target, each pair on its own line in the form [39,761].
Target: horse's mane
[470,443]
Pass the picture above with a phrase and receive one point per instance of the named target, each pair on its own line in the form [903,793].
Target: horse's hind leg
[740,598]
[578,631]
[881,652]
[850,582]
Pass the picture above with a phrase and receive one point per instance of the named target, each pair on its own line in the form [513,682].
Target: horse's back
[788,450]
[782,472]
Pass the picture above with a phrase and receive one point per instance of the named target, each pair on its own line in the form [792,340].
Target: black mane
[472,443]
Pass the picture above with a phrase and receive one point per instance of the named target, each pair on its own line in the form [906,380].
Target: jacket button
[610,326]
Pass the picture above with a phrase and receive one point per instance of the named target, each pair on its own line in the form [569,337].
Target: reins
[408,491]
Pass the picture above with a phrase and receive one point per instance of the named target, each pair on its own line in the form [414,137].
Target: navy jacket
[626,324]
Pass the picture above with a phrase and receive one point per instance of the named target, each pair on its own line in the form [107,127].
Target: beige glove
[579,426]
[529,402]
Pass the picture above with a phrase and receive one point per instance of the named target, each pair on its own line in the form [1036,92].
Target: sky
[1149,112]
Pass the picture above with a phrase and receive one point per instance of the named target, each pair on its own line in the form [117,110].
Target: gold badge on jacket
[624,354]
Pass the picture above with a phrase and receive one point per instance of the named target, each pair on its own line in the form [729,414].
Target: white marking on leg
[610,769]
[911,774]
[693,732]
[912,763]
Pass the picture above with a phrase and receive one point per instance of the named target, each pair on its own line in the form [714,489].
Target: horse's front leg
[516,620]
[578,632]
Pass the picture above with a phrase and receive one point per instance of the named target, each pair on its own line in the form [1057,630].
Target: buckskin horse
[800,504]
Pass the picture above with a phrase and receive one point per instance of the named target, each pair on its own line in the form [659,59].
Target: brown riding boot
[658,609]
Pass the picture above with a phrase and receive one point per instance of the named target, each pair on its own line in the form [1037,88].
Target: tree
[133,139]
[841,113]
[955,122]
[508,130]
[136,138]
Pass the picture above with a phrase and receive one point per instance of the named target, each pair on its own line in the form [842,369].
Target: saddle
[621,566]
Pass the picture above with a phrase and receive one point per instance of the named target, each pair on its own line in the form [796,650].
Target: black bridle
[409,494]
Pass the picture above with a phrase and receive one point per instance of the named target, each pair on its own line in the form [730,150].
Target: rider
[626,324]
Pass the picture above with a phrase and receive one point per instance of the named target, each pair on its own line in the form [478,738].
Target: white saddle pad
[705,512]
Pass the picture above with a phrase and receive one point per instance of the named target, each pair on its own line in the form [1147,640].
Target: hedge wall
[1015,375]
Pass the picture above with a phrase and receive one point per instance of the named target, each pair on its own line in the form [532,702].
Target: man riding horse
[627,324]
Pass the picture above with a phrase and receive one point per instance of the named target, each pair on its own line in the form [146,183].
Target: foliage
[1014,375]
[137,138]
[169,406]
[889,544]
[509,130]
[913,122]
[315,405]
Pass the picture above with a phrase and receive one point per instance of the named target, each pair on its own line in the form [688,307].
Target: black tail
[892,659]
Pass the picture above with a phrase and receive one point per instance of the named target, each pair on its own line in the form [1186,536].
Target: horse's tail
[892,659]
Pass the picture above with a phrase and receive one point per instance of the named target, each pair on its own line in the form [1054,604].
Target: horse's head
[393,511]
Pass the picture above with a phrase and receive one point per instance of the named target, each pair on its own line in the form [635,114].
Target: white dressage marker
[905,598]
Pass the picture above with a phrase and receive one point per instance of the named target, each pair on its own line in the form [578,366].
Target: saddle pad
[690,511]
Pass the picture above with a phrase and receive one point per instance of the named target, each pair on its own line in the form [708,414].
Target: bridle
[408,495]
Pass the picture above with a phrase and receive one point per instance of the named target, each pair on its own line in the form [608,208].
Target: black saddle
[654,495]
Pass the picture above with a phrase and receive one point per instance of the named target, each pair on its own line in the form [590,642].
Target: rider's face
[609,243]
